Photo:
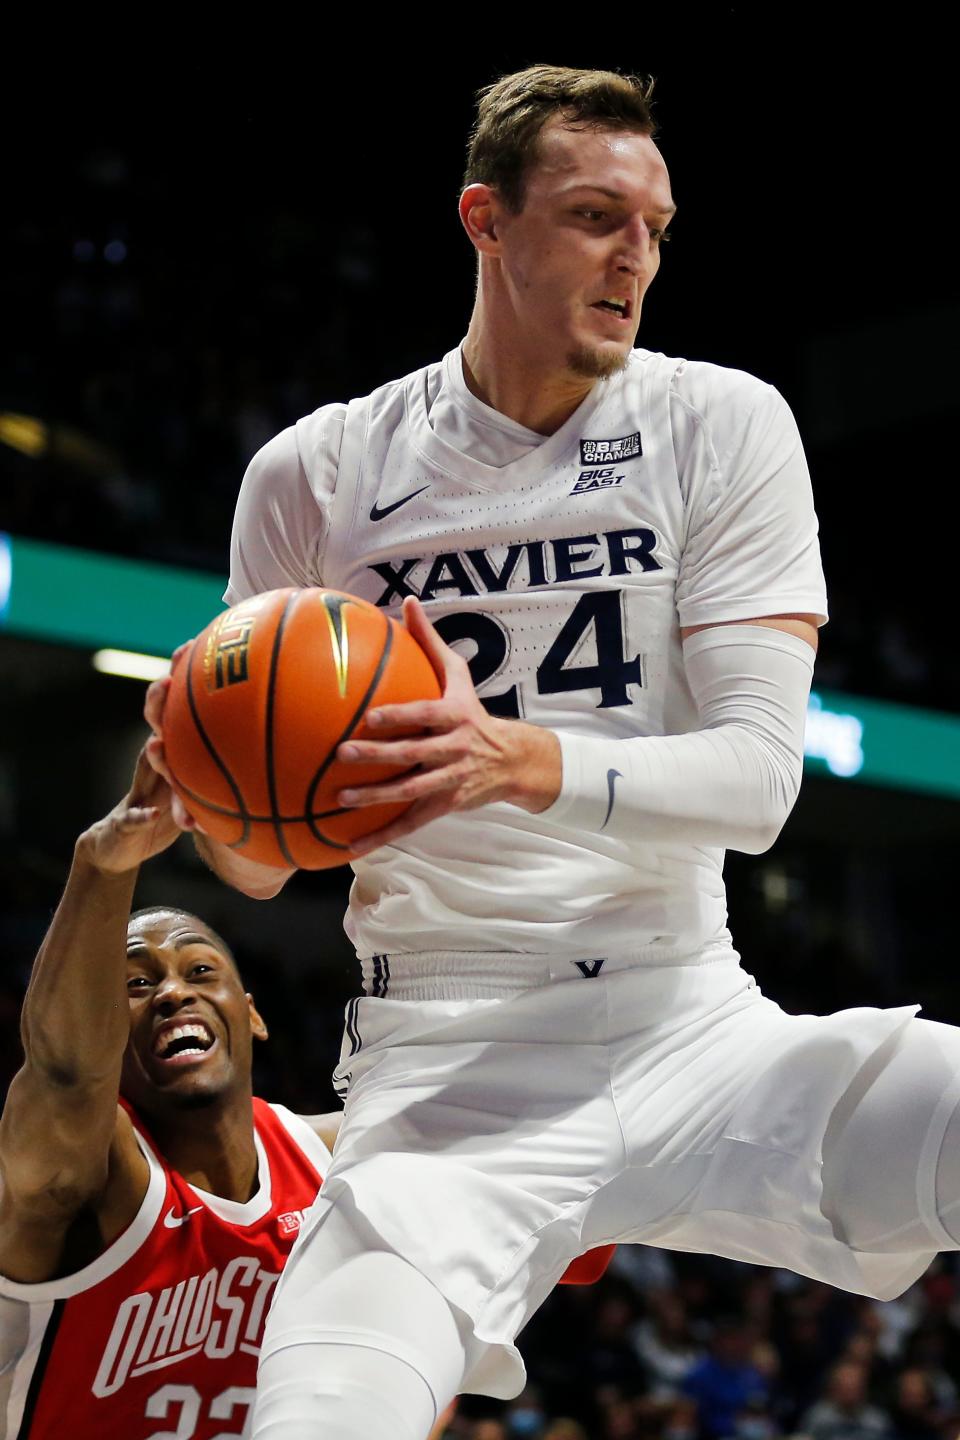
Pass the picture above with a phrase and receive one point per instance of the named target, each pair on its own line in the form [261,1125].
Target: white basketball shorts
[491,1140]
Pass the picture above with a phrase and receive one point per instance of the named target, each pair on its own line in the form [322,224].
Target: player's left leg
[891,1151]
[828,1145]
[360,1345]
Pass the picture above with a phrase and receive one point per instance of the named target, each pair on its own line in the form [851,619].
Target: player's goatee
[595,364]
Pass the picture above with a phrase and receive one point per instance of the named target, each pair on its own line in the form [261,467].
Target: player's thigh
[339,1286]
[727,1115]
[891,1152]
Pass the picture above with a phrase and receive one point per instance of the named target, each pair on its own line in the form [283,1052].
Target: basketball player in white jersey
[557,1046]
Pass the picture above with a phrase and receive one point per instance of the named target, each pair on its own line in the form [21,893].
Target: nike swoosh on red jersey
[376,513]
[171,1221]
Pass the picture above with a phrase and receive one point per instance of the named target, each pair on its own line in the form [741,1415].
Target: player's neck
[532,390]
[212,1148]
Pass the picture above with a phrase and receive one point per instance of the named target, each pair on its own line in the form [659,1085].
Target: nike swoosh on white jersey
[376,513]
[171,1221]
[612,777]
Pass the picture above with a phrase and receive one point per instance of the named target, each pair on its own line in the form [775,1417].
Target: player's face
[595,210]
[191,1024]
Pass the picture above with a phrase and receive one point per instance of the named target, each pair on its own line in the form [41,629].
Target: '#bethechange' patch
[607,452]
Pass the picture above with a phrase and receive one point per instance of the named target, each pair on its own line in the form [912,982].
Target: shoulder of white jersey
[275,464]
[387,402]
[314,441]
[707,388]
[302,1133]
[703,386]
[310,447]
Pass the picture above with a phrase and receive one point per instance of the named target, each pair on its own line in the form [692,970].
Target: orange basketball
[257,709]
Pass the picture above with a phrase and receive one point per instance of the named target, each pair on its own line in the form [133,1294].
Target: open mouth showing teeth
[620,308]
[182,1040]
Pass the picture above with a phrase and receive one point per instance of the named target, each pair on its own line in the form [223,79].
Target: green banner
[882,744]
[82,598]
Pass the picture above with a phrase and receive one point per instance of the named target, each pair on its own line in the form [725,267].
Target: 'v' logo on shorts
[590,969]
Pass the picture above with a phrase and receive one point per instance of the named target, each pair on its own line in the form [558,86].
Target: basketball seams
[229,814]
[243,813]
[276,819]
[348,731]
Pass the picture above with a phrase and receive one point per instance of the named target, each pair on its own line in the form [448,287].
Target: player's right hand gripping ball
[257,709]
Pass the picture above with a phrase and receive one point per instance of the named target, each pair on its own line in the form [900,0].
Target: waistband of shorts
[491,975]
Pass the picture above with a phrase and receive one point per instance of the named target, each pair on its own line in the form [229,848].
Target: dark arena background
[202,245]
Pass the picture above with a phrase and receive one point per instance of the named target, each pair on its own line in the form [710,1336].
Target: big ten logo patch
[289,1223]
[610,452]
[226,654]
[597,479]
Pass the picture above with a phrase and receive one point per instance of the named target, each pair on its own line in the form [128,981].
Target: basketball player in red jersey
[140,1241]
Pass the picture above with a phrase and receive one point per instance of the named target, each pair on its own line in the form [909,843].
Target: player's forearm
[258,882]
[731,784]
[75,1020]
[720,788]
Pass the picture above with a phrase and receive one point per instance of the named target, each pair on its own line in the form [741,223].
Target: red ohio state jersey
[158,1339]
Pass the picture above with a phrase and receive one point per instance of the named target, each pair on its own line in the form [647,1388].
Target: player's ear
[258,1028]
[479,209]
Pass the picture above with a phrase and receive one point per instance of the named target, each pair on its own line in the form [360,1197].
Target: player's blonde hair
[513,110]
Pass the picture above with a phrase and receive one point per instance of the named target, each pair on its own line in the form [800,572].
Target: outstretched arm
[61,1111]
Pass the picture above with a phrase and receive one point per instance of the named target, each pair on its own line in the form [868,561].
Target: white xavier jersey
[563,567]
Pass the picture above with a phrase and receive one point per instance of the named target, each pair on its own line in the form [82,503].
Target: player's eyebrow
[619,195]
[191,938]
[137,946]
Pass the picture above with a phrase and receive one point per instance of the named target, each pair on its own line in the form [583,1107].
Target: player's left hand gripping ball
[257,708]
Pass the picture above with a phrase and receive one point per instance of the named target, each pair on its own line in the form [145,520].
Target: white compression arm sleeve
[731,783]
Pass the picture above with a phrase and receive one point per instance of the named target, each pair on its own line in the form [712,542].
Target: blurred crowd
[684,1347]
